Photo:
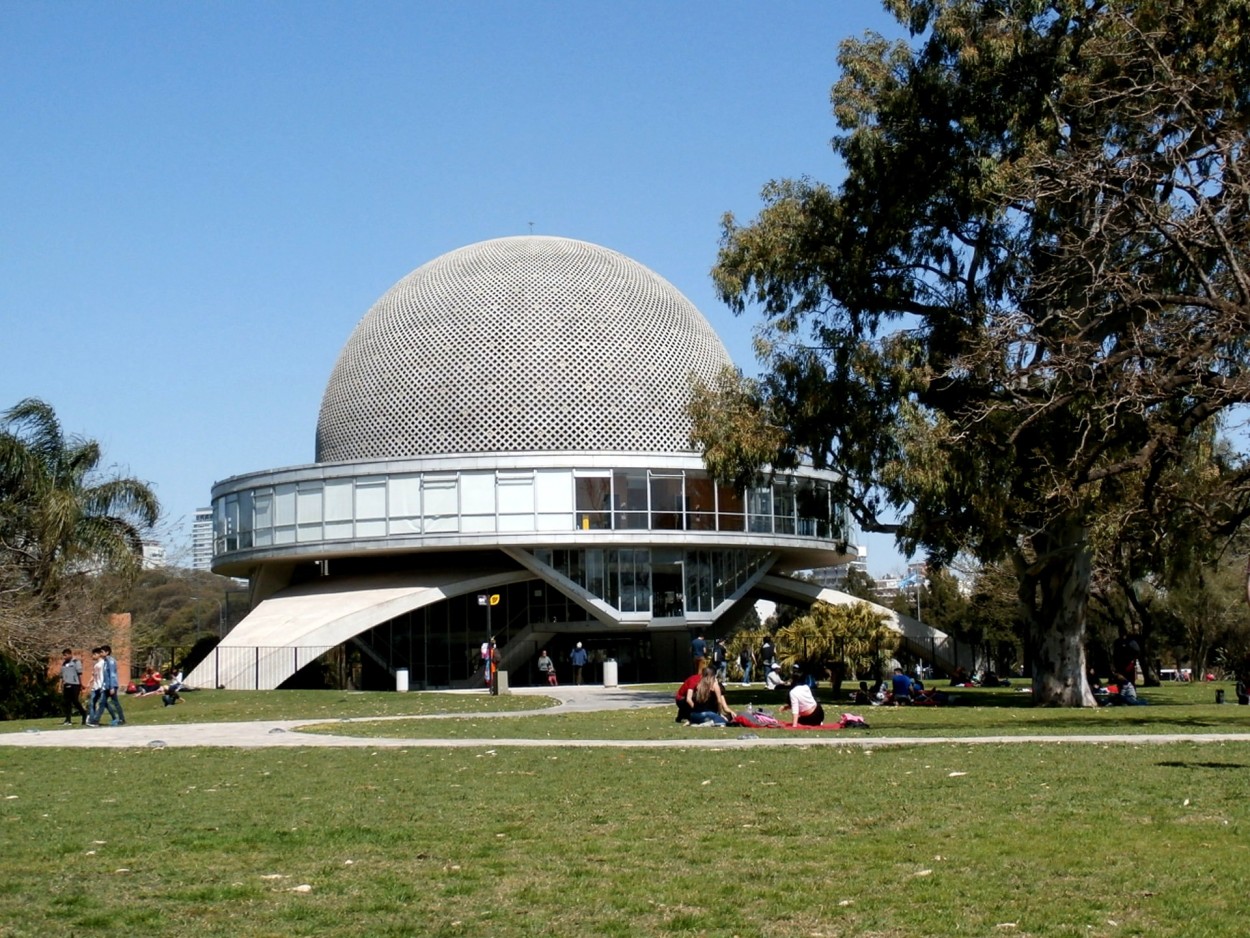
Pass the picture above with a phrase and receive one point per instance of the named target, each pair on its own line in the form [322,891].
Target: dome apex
[522,344]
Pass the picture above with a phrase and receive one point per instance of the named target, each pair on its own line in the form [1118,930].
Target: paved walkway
[280,733]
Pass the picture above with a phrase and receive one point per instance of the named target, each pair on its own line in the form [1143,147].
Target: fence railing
[253,667]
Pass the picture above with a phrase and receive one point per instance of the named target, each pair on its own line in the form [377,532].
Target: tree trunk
[837,674]
[1057,592]
[1145,635]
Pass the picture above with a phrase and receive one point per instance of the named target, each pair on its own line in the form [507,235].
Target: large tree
[1026,298]
[63,521]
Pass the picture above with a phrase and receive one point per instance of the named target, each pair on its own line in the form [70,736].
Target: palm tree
[60,517]
[839,637]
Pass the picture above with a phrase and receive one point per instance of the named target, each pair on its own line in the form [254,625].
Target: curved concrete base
[297,625]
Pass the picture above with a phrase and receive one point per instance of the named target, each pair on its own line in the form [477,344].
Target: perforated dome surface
[523,344]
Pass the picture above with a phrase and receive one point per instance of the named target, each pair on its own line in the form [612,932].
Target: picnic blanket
[761,720]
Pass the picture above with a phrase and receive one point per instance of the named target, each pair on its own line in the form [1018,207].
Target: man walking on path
[96,700]
[71,687]
[112,687]
[578,659]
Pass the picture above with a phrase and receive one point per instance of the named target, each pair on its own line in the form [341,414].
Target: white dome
[522,344]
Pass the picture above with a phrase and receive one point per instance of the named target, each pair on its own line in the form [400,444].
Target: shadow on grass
[1158,718]
[1202,765]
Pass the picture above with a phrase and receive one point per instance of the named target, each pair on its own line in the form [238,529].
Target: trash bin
[401,680]
[609,672]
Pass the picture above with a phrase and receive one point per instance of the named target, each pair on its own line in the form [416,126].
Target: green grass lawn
[1177,708]
[1043,840]
[1040,840]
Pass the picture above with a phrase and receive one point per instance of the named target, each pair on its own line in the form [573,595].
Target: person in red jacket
[684,698]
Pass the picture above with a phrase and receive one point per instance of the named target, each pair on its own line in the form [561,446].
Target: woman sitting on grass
[684,697]
[1126,695]
[151,682]
[803,704]
[708,702]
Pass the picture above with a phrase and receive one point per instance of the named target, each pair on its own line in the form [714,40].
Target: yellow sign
[494,599]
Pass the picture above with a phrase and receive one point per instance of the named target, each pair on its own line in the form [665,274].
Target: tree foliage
[63,523]
[860,584]
[1029,296]
[171,606]
[993,619]
[1201,618]
[845,639]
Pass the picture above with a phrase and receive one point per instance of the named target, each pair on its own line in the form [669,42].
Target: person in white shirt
[773,679]
[97,687]
[803,705]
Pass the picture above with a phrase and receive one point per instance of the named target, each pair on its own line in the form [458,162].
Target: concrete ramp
[297,625]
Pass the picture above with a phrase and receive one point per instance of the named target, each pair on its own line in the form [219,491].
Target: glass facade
[439,644]
[657,582]
[517,501]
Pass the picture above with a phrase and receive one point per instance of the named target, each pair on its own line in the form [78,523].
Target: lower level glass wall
[440,645]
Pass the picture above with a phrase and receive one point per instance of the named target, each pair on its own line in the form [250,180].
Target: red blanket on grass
[752,721]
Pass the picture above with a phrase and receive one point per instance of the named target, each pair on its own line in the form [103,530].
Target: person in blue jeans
[708,705]
[746,659]
[112,687]
[95,703]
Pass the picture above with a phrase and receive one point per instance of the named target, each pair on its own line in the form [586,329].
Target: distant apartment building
[835,577]
[202,540]
[153,555]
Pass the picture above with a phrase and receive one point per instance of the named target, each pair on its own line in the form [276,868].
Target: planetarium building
[503,448]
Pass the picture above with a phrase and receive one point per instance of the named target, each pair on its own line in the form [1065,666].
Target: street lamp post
[488,662]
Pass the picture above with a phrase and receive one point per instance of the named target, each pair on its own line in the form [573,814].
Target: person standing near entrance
[71,687]
[493,664]
[578,660]
[547,668]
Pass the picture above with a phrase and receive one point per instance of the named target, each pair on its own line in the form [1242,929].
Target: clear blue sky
[200,200]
